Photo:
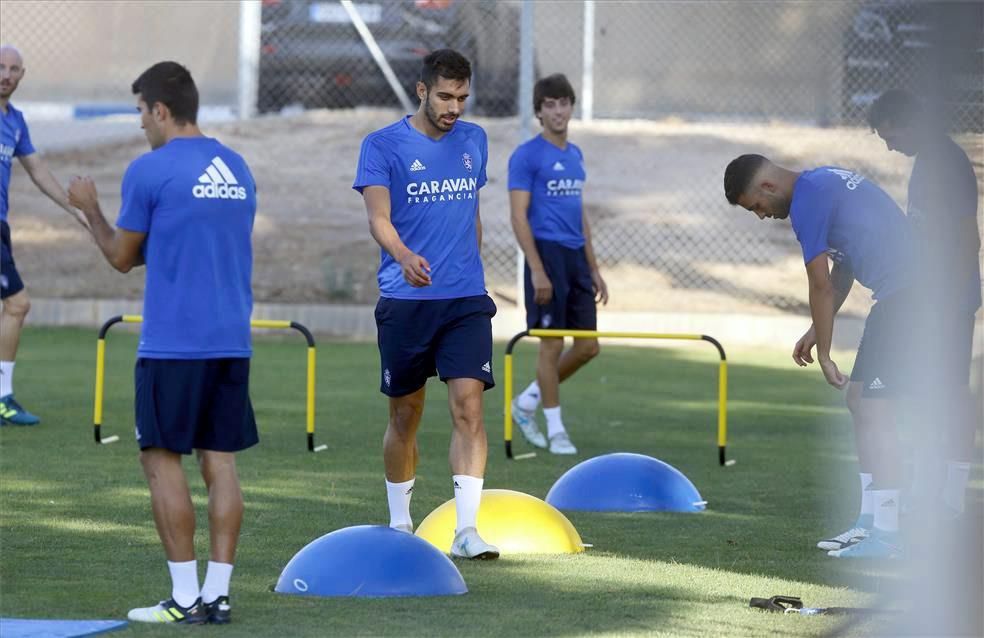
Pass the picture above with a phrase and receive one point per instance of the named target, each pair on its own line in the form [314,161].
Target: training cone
[371,561]
[514,522]
[625,482]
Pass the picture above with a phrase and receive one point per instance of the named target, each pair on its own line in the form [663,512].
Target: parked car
[935,49]
[311,54]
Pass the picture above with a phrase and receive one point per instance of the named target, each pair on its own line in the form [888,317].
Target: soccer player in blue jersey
[420,179]
[563,282]
[187,213]
[840,216]
[15,141]
[942,208]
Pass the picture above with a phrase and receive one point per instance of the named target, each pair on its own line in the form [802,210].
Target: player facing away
[562,281]
[942,211]
[420,179]
[187,213]
[839,215]
[15,141]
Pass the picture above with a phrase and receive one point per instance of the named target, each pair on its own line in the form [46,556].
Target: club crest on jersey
[467,160]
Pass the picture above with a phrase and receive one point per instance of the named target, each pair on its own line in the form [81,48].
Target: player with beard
[563,283]
[15,141]
[839,215]
[419,179]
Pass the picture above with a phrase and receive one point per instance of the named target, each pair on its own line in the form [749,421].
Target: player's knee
[590,349]
[552,346]
[217,465]
[405,417]
[467,418]
[17,305]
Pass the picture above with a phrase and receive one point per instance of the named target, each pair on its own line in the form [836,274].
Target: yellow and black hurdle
[722,428]
[255,323]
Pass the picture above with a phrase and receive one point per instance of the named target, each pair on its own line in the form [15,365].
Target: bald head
[11,71]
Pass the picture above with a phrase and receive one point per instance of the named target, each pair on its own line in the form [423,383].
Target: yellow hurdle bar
[100,376]
[722,425]
[255,323]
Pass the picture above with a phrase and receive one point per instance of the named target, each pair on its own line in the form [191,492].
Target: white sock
[184,582]
[398,496]
[217,579]
[467,498]
[6,378]
[886,509]
[867,504]
[957,473]
[554,424]
[530,397]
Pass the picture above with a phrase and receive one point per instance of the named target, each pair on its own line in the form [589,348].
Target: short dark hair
[445,63]
[897,106]
[738,176]
[170,84]
[553,86]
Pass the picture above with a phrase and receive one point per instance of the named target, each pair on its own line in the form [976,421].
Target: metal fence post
[524,108]
[249,56]
[587,74]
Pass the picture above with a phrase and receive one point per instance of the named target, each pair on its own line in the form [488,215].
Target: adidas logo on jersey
[876,385]
[558,166]
[487,367]
[218,182]
[851,179]
[417,166]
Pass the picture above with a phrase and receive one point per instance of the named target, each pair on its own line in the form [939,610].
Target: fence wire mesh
[679,89]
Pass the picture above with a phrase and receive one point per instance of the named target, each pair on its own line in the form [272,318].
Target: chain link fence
[677,89]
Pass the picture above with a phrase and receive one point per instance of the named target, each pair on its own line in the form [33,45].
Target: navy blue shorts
[10,281]
[187,404]
[885,359]
[573,302]
[419,339]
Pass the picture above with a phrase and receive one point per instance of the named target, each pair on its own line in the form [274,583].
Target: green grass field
[78,540]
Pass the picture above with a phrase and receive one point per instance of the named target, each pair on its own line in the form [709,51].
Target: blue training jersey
[433,186]
[15,141]
[838,211]
[196,201]
[553,177]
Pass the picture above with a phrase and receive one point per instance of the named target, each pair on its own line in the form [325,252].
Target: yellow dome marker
[514,522]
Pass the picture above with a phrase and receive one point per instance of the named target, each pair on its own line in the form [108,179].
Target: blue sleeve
[521,178]
[483,144]
[138,202]
[24,146]
[373,169]
[810,214]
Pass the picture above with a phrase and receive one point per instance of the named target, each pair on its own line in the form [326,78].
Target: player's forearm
[383,231]
[524,237]
[105,236]
[48,185]
[822,311]
[589,253]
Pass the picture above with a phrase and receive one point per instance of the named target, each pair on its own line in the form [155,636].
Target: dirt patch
[663,231]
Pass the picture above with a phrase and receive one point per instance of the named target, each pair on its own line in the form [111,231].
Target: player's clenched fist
[82,193]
